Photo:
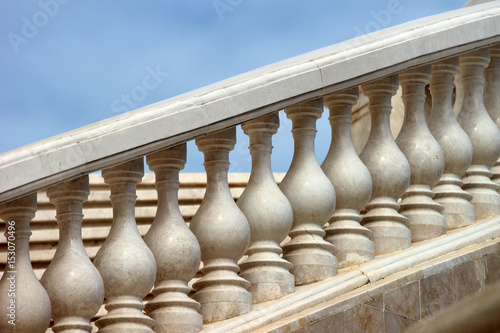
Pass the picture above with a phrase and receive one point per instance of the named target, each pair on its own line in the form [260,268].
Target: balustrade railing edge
[353,277]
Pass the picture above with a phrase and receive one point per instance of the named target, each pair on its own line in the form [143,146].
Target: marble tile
[293,326]
[333,323]
[376,303]
[404,301]
[492,267]
[436,292]
[468,279]
[395,324]
[362,318]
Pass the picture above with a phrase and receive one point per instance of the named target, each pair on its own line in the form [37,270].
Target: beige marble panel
[395,324]
[492,267]
[436,292]
[333,323]
[468,279]
[404,301]
[376,303]
[362,318]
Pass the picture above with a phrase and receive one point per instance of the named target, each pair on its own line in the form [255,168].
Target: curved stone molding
[483,133]
[312,197]
[74,285]
[223,233]
[269,215]
[352,182]
[31,309]
[126,264]
[389,169]
[425,157]
[491,97]
[456,146]
[175,248]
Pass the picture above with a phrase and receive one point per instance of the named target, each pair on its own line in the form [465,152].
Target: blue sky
[67,63]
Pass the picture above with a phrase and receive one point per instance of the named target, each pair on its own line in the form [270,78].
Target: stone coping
[351,278]
[406,297]
[244,97]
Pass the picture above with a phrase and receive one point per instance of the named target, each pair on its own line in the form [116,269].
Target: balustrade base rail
[406,298]
[481,236]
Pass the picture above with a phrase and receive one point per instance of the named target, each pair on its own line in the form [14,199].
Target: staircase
[378,240]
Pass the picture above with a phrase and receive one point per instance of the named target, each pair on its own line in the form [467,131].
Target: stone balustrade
[269,274]
[126,264]
[483,133]
[456,146]
[170,239]
[435,177]
[312,197]
[352,183]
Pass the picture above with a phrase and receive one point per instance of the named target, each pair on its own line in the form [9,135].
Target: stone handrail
[435,177]
[233,101]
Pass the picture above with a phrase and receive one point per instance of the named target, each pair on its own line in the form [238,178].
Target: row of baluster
[435,176]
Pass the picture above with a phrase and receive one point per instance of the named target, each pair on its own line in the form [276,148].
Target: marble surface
[437,292]
[492,268]
[394,323]
[468,278]
[362,318]
[329,324]
[403,299]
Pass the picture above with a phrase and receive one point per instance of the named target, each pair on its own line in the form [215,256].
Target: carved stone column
[456,146]
[352,182]
[125,262]
[425,157]
[223,233]
[483,133]
[269,215]
[389,169]
[312,197]
[24,303]
[175,248]
[74,285]
[491,97]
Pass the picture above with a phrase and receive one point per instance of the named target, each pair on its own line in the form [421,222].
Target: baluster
[483,133]
[312,197]
[74,285]
[491,97]
[352,182]
[389,169]
[24,302]
[456,146]
[269,215]
[223,233]
[425,157]
[175,248]
[125,262]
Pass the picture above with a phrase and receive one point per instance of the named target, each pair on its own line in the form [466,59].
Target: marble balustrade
[436,175]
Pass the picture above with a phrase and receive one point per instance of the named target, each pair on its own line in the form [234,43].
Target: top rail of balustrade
[241,98]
